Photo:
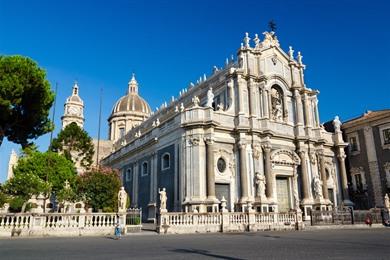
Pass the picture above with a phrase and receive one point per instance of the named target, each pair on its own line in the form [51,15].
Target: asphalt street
[316,244]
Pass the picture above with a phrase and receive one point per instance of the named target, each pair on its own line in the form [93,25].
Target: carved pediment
[357,170]
[285,157]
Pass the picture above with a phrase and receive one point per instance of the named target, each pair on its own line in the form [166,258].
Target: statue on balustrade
[163,200]
[122,199]
[210,98]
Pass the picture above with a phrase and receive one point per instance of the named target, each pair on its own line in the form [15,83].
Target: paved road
[317,244]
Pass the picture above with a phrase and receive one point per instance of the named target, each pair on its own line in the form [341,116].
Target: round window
[221,165]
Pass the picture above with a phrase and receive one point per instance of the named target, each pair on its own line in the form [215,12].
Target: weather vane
[272,26]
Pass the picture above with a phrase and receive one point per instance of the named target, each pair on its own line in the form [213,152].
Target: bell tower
[73,109]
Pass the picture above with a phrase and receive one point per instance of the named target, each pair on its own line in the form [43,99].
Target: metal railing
[345,216]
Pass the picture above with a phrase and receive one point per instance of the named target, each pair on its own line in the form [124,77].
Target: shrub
[16,204]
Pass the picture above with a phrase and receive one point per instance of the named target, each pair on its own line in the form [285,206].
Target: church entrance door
[223,190]
[283,194]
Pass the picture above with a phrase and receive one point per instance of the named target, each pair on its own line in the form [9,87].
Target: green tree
[73,140]
[68,194]
[49,166]
[25,100]
[24,185]
[100,188]
[3,196]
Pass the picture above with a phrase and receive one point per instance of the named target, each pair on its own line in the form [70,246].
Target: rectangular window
[386,136]
[353,144]
[359,183]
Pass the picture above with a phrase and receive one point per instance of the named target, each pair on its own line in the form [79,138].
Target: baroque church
[249,133]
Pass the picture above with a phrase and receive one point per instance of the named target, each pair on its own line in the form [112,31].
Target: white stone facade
[262,120]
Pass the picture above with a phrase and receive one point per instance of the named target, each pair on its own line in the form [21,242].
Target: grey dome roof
[131,102]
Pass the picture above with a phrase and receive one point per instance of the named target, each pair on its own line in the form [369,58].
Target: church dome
[132,102]
[128,112]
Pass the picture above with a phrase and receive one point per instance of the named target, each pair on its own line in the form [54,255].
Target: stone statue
[163,200]
[246,40]
[299,57]
[257,41]
[317,183]
[276,101]
[196,101]
[122,199]
[291,53]
[337,124]
[295,193]
[210,97]
[260,182]
[387,202]
[278,112]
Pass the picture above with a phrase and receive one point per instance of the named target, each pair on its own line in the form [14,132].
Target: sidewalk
[355,226]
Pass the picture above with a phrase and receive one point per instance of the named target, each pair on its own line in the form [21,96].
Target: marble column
[304,177]
[243,172]
[299,108]
[307,111]
[210,169]
[241,86]
[265,103]
[252,99]
[317,113]
[268,171]
[324,177]
[269,104]
[231,96]
[295,189]
[344,181]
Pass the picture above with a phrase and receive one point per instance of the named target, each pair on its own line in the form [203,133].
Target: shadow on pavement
[204,252]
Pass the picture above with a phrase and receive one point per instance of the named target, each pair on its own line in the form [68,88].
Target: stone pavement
[315,244]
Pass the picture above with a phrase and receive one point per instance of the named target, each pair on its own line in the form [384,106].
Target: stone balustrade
[64,224]
[184,222]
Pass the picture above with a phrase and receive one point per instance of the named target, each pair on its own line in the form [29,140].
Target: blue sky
[345,45]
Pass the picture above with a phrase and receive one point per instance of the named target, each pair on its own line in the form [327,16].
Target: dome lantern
[133,85]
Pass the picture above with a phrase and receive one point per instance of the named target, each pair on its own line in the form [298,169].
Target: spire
[133,85]
[75,89]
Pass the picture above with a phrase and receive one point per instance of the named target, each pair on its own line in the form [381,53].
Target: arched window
[129,174]
[277,103]
[144,169]
[121,132]
[165,161]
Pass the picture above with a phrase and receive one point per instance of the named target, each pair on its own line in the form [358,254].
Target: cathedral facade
[249,133]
